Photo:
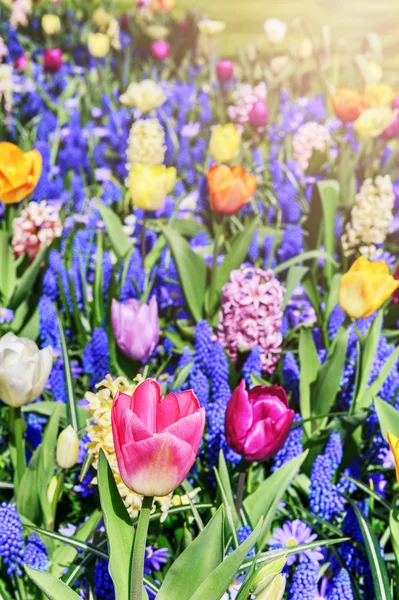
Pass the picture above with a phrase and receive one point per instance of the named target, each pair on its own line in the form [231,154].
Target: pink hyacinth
[309,138]
[252,315]
[245,97]
[38,224]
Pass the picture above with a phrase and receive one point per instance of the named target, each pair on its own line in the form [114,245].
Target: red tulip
[156,439]
[225,70]
[160,49]
[259,115]
[258,422]
[52,60]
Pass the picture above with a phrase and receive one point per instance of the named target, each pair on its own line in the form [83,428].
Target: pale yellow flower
[51,24]
[146,95]
[225,143]
[98,44]
[210,27]
[380,94]
[373,121]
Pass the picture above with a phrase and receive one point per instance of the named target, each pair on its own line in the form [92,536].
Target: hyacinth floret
[304,582]
[292,448]
[11,538]
[341,588]
[309,138]
[35,553]
[146,144]
[252,366]
[251,315]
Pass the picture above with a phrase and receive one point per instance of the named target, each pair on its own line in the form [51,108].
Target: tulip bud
[259,115]
[21,63]
[67,448]
[225,143]
[160,49]
[124,22]
[135,327]
[395,103]
[225,70]
[274,591]
[24,369]
[52,60]
[51,490]
[264,576]
[51,24]
[393,441]
[392,131]
[98,44]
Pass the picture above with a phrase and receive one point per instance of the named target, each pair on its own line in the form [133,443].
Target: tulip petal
[190,429]
[175,406]
[156,466]
[355,294]
[383,286]
[188,402]
[238,418]
[146,398]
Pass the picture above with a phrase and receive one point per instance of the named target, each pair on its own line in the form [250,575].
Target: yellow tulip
[146,95]
[150,184]
[380,94]
[365,287]
[101,18]
[98,44]
[51,24]
[224,145]
[211,28]
[394,444]
[374,120]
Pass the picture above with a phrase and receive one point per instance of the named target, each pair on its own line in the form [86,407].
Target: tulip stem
[17,442]
[241,486]
[140,539]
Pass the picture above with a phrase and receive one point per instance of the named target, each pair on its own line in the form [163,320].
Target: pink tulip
[392,131]
[225,70]
[395,102]
[258,422]
[136,327]
[156,439]
[160,49]
[52,60]
[21,63]
[259,115]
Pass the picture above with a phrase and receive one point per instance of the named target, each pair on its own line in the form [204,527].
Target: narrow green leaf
[119,239]
[329,196]
[187,227]
[309,367]
[98,295]
[205,552]
[305,256]
[28,503]
[225,481]
[46,408]
[27,281]
[119,529]
[218,581]
[372,391]
[71,541]
[264,501]
[294,277]
[53,588]
[47,461]
[332,299]
[388,418]
[369,353]
[229,507]
[70,386]
[7,271]
[394,527]
[236,255]
[382,590]
[192,271]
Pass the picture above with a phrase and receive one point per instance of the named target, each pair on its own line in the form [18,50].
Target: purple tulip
[259,115]
[258,422]
[136,327]
[225,70]
[52,60]
[21,63]
[160,49]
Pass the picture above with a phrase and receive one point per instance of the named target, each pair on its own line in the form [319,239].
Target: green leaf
[332,299]
[236,255]
[119,240]
[217,583]
[27,281]
[196,563]
[53,588]
[70,541]
[64,555]
[372,391]
[28,503]
[294,276]
[329,196]
[8,270]
[394,527]
[98,294]
[388,418]
[309,367]
[369,353]
[225,482]
[72,412]
[119,529]
[229,507]
[187,227]
[192,271]
[46,408]
[328,379]
[382,590]
[47,461]
[264,501]
[310,255]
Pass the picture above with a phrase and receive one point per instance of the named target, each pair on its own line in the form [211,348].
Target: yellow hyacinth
[98,44]
[365,287]
[373,121]
[146,95]
[150,184]
[394,444]
[225,142]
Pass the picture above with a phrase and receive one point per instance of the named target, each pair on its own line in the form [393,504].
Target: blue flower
[35,553]
[293,533]
[103,586]
[252,366]
[292,447]
[304,582]
[11,539]
[341,588]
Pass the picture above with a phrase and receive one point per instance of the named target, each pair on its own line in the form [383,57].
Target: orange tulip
[349,104]
[19,172]
[230,188]
[162,5]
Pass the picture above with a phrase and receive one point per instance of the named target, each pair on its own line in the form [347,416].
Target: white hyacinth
[146,145]
[309,138]
[371,216]
[244,98]
[6,86]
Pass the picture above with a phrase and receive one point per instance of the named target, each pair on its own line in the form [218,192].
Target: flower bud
[259,115]
[52,60]
[52,488]
[21,63]
[263,577]
[225,70]
[51,24]
[67,448]
[98,44]
[160,49]
[274,591]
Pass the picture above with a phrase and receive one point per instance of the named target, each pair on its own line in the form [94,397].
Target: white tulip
[67,448]
[275,30]
[24,370]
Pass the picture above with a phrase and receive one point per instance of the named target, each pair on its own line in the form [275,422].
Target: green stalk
[140,539]
[218,231]
[17,443]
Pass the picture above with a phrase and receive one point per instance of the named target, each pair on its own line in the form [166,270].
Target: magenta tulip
[160,49]
[395,102]
[52,60]
[21,63]
[136,327]
[258,422]
[156,439]
[392,131]
[259,115]
[225,70]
